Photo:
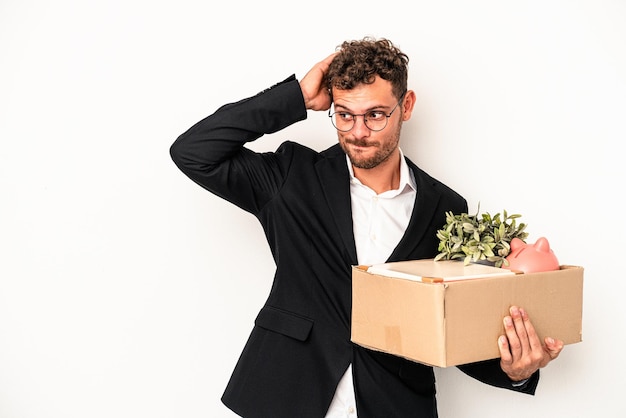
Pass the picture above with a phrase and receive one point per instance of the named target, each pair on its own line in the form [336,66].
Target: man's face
[366,148]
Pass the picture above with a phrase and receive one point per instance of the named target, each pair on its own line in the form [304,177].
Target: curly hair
[360,61]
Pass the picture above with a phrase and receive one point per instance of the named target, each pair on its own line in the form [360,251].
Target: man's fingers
[329,59]
[515,346]
[314,91]
[520,326]
[533,338]
[553,347]
[505,353]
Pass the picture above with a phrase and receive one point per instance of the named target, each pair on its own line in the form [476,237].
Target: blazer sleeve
[489,372]
[212,152]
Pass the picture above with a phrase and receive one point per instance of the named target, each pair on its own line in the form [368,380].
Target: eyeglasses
[375,120]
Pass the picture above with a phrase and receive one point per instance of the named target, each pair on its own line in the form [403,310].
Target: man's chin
[361,157]
[364,163]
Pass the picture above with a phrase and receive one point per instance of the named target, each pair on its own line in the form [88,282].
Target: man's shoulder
[301,162]
[424,179]
[305,151]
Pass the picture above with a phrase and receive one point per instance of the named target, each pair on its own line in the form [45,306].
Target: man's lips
[361,144]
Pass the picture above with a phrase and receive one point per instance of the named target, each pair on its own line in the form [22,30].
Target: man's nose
[360,129]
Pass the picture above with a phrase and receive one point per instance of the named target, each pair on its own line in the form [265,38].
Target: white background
[119,296]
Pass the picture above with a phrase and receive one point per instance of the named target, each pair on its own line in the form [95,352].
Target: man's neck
[383,177]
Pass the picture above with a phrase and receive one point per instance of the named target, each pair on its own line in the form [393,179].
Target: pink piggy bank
[531,258]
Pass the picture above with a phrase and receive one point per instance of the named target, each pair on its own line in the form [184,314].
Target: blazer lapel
[335,179]
[426,202]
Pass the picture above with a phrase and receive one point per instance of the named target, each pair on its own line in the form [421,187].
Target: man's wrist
[519,383]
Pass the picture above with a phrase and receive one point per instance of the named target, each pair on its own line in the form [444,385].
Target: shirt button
[351,410]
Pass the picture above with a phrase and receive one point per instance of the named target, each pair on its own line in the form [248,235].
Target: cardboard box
[457,322]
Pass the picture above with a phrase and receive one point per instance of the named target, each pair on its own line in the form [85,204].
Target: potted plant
[479,238]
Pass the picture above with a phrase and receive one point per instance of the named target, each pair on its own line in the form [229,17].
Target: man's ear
[407,105]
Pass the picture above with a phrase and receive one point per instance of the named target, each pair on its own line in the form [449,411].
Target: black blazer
[300,347]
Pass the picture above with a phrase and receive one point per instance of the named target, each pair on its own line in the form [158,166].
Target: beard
[384,148]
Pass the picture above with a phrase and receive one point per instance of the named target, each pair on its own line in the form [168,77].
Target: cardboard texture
[451,323]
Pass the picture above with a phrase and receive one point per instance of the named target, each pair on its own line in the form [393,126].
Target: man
[358,202]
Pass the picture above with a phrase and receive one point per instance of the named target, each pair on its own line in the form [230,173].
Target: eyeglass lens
[375,120]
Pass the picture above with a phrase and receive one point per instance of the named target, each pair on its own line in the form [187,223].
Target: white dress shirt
[379,222]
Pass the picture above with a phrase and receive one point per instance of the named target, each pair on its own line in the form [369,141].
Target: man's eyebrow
[347,109]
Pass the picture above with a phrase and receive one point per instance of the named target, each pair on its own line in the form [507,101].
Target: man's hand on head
[314,90]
